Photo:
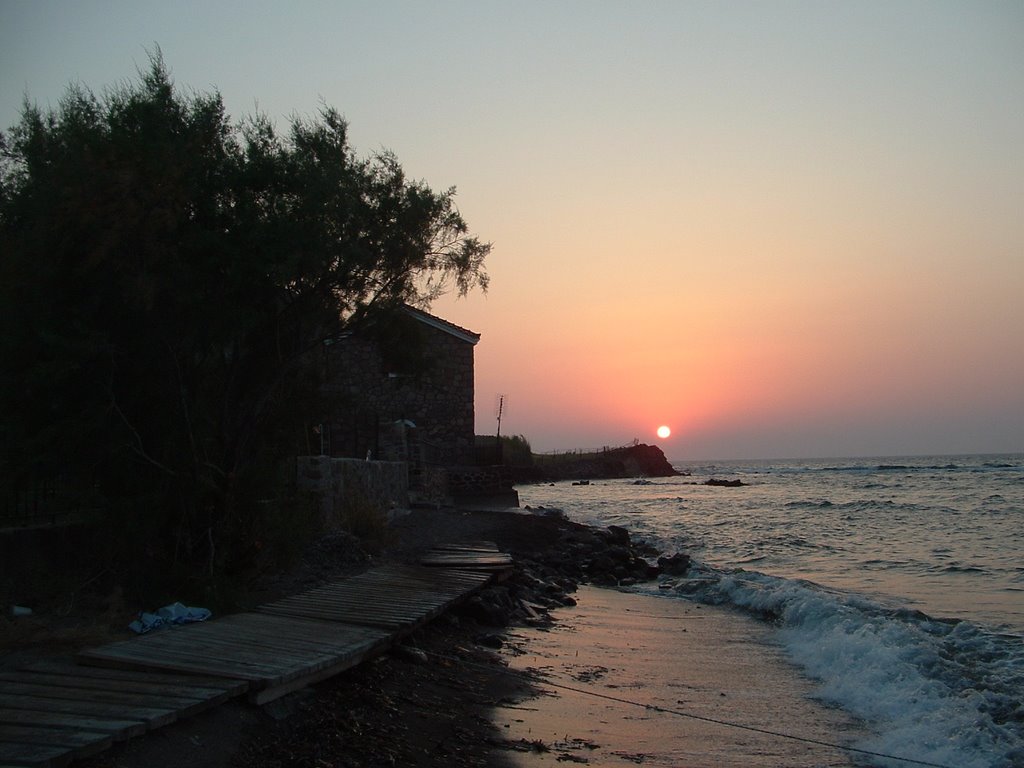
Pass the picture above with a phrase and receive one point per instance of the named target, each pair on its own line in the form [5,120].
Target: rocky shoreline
[540,581]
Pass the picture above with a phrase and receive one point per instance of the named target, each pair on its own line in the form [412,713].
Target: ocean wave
[957,568]
[823,504]
[939,690]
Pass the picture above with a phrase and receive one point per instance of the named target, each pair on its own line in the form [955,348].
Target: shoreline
[445,697]
[635,679]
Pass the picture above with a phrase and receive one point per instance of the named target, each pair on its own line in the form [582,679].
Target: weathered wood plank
[86,683]
[134,657]
[236,639]
[263,664]
[355,608]
[232,686]
[16,754]
[487,546]
[80,743]
[152,717]
[389,593]
[179,703]
[118,729]
[281,689]
[368,602]
[368,621]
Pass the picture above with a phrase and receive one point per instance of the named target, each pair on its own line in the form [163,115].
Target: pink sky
[785,230]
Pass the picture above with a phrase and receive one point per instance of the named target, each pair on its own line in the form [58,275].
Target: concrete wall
[384,483]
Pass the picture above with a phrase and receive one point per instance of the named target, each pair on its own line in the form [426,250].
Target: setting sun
[664,432]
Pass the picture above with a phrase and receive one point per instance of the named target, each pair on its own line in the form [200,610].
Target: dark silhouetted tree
[166,280]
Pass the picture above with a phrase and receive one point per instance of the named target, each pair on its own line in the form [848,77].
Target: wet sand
[698,660]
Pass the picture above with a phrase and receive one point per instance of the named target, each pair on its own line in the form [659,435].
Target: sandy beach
[616,652]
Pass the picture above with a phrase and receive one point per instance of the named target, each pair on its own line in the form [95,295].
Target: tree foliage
[167,277]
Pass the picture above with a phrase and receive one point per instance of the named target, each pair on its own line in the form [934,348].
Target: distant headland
[637,460]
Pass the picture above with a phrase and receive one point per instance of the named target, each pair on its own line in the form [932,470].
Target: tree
[168,278]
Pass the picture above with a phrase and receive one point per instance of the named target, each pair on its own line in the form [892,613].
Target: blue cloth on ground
[168,616]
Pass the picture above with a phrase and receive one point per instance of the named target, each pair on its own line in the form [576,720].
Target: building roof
[443,325]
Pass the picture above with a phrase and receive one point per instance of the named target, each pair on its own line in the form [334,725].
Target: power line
[692,716]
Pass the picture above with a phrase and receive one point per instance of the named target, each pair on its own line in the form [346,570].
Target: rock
[617,535]
[724,483]
[676,565]
[486,612]
[490,640]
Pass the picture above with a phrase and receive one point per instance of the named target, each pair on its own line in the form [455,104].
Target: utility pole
[501,408]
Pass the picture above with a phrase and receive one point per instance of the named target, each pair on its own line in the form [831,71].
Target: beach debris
[587,674]
[168,616]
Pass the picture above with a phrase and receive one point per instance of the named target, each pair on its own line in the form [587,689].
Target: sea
[895,584]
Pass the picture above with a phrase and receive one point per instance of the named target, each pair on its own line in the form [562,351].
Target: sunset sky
[783,229]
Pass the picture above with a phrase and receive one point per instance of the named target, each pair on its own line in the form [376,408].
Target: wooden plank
[357,613]
[356,607]
[267,666]
[178,703]
[86,683]
[489,546]
[235,641]
[80,743]
[152,717]
[384,623]
[276,691]
[118,729]
[368,602]
[483,557]
[134,657]
[311,632]
[385,595]
[396,577]
[232,686]
[486,557]
[401,588]
[14,753]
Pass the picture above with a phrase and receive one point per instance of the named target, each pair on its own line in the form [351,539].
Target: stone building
[401,389]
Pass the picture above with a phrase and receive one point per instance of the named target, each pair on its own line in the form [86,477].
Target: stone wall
[491,485]
[408,399]
[383,483]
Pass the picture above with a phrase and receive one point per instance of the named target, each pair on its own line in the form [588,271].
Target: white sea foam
[940,692]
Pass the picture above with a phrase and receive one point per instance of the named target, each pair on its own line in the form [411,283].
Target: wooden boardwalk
[55,712]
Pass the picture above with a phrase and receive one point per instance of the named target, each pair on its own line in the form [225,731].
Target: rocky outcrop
[546,579]
[631,461]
